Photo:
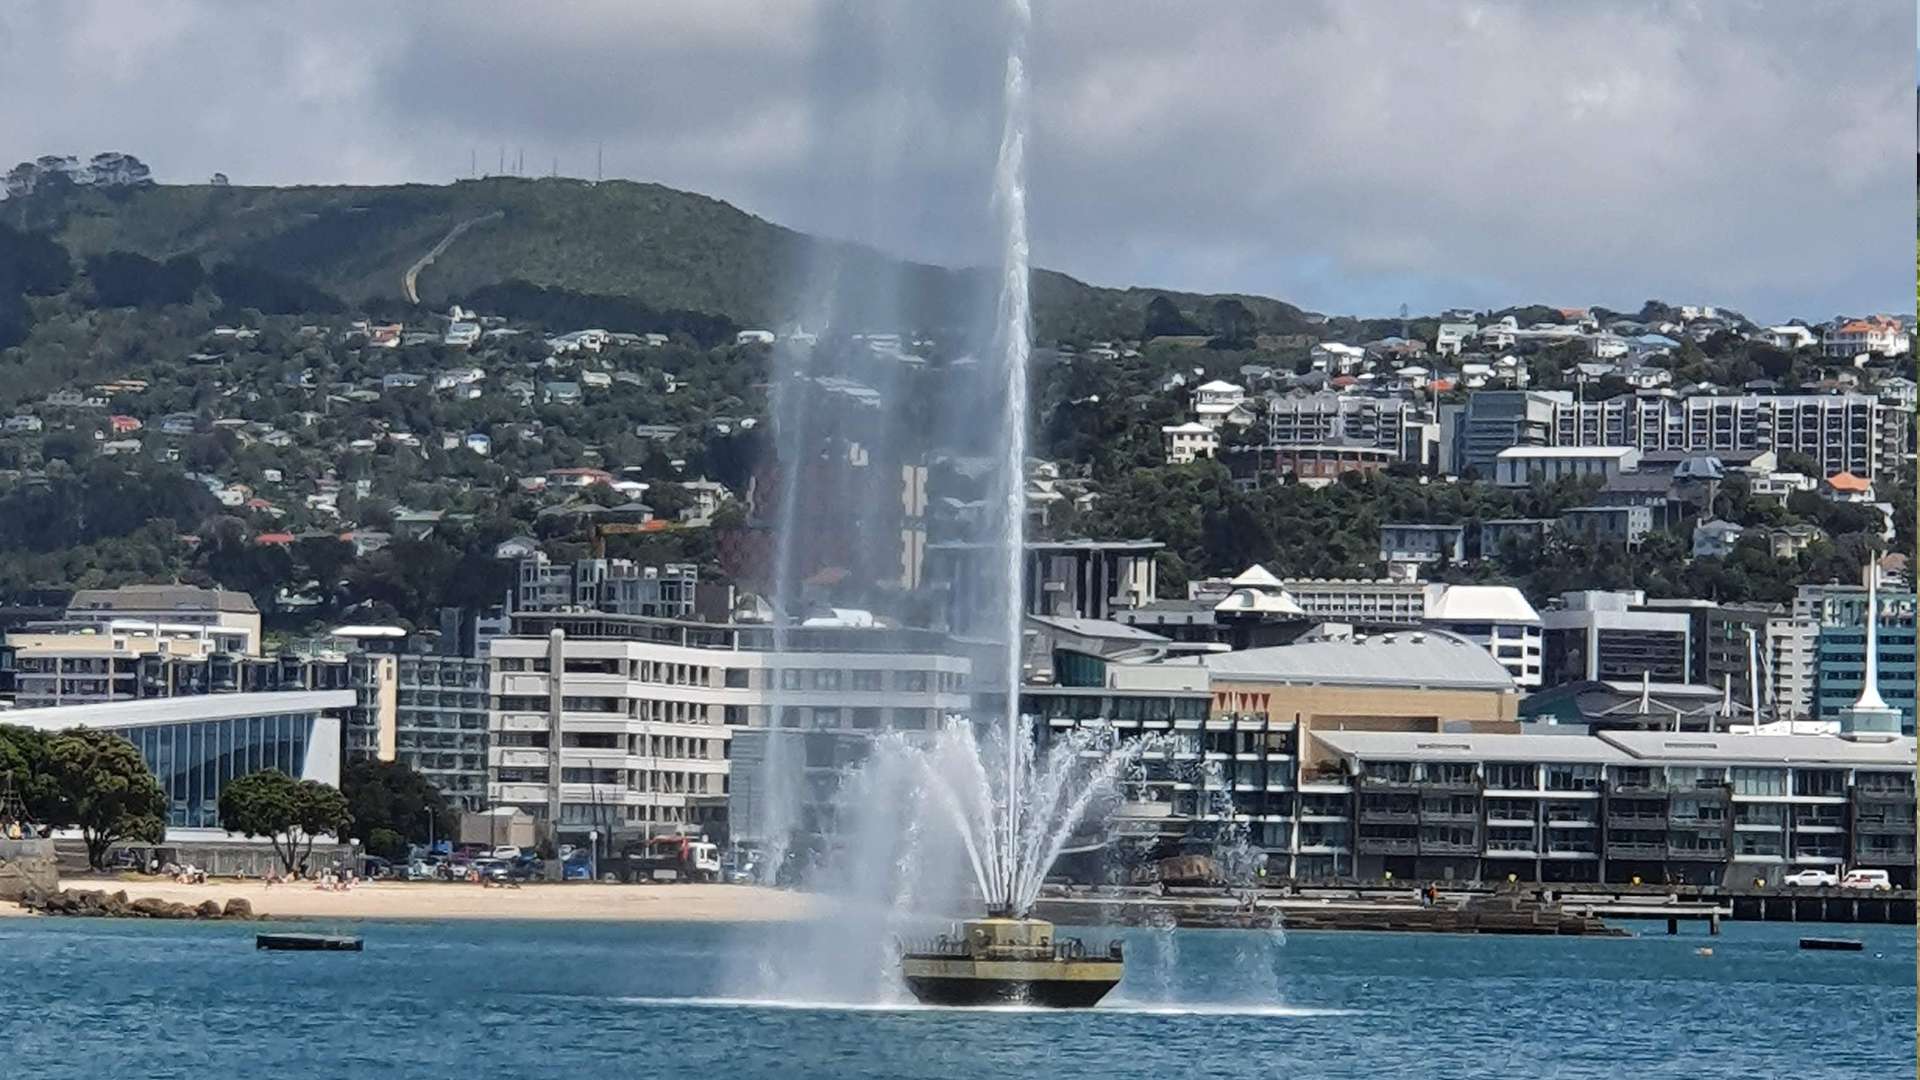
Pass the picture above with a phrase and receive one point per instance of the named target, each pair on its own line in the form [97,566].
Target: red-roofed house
[1847,488]
[283,539]
[124,425]
[1873,334]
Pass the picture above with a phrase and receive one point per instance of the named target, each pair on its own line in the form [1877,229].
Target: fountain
[967,814]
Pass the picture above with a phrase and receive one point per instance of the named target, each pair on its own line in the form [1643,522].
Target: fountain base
[1008,961]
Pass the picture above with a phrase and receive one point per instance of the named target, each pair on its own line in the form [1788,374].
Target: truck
[669,858]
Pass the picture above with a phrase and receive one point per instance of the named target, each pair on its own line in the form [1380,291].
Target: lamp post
[593,854]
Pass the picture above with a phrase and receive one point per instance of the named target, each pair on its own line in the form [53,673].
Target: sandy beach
[581,901]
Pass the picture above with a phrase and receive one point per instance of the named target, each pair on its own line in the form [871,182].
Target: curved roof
[1432,659]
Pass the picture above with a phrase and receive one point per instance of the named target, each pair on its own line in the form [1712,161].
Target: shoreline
[436,901]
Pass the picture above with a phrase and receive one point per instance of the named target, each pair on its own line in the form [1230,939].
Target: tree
[103,787]
[290,813]
[389,796]
[23,767]
[1165,320]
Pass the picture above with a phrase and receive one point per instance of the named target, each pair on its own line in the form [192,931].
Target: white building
[1524,466]
[1451,335]
[1495,617]
[1185,442]
[1788,337]
[633,732]
[1874,334]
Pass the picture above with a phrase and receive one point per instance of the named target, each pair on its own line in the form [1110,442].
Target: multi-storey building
[1364,602]
[609,723]
[1621,806]
[1609,637]
[1855,433]
[615,585]
[1334,419]
[1840,658]
[227,619]
[1494,420]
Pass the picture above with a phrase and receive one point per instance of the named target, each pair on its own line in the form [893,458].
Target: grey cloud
[1346,156]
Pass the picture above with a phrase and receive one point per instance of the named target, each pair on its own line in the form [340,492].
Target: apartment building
[1325,419]
[1609,637]
[227,619]
[604,722]
[1855,433]
[617,585]
[1620,806]
[1365,602]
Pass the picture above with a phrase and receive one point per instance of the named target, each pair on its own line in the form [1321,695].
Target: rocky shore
[98,903]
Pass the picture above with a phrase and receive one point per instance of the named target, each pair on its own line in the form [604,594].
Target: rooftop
[1431,659]
[1481,603]
[179,710]
[1566,452]
[161,598]
[1464,746]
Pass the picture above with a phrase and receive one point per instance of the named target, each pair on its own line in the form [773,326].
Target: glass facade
[194,760]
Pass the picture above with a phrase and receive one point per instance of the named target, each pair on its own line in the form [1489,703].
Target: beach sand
[576,901]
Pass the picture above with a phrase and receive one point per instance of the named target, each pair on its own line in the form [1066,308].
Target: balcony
[1638,821]
[1448,847]
[1635,849]
[1451,817]
[1369,782]
[1389,817]
[1387,845]
[1884,825]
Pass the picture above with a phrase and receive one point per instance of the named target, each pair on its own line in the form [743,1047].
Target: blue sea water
[94,999]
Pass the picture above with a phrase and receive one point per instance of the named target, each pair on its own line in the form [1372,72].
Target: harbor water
[96,998]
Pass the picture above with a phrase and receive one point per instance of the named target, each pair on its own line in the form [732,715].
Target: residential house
[1627,524]
[1451,335]
[1874,334]
[560,393]
[1185,442]
[461,335]
[1845,487]
[1416,543]
[1788,337]
[22,424]
[1715,539]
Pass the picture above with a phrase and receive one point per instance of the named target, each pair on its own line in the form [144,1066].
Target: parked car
[507,852]
[1812,878]
[1874,880]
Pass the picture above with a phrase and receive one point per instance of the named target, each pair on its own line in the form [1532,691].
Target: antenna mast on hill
[599,159]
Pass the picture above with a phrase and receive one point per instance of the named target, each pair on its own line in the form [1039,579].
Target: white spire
[1870,686]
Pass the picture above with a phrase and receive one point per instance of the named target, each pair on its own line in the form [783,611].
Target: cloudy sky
[1347,156]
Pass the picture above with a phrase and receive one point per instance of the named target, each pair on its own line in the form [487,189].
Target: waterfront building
[195,746]
[1624,806]
[603,722]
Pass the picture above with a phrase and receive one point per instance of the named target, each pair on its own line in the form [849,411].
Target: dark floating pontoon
[1832,944]
[306,942]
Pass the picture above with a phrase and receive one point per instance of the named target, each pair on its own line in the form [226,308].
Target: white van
[1874,880]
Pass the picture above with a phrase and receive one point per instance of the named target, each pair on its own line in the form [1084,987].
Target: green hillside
[671,250]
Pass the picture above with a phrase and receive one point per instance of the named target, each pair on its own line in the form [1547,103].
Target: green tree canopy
[290,813]
[103,787]
[390,796]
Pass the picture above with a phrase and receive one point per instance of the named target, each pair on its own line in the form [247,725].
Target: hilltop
[671,251]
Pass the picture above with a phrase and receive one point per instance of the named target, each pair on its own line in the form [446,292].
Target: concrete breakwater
[27,866]
[1501,914]
[98,903]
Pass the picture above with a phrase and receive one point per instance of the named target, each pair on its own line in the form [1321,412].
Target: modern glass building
[196,745]
[1841,652]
